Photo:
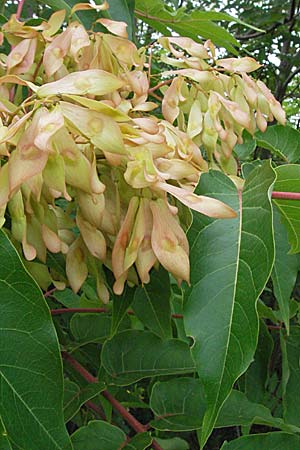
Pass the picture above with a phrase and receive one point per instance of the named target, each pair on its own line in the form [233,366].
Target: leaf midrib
[28,409]
[212,416]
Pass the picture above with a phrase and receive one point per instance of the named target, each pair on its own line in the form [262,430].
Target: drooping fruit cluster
[88,170]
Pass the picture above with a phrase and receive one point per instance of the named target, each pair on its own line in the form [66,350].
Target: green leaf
[132,355]
[193,27]
[98,435]
[285,270]
[177,308]
[67,5]
[87,328]
[75,396]
[85,17]
[291,394]
[4,443]
[231,261]
[120,306]
[238,410]
[88,299]
[266,312]
[152,304]
[67,298]
[247,167]
[174,443]
[3,19]
[140,441]
[257,374]
[283,141]
[118,10]
[56,263]
[246,149]
[179,404]
[275,441]
[288,180]
[31,381]
[193,24]
[59,4]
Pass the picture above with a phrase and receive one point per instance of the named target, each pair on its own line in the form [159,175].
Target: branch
[287,21]
[291,76]
[292,12]
[79,368]
[245,37]
[127,416]
[158,19]
[58,311]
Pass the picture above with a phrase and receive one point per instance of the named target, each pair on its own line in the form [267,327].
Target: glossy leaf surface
[31,381]
[132,355]
[98,434]
[152,304]
[230,264]
[274,441]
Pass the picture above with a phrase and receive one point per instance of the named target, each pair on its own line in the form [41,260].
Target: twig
[159,19]
[156,96]
[96,409]
[56,312]
[130,419]
[163,83]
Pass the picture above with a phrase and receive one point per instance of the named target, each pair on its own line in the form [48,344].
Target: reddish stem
[58,311]
[177,316]
[55,312]
[50,292]
[150,63]
[286,195]
[19,9]
[79,368]
[130,419]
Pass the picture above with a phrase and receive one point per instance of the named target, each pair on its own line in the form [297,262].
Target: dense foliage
[148,279]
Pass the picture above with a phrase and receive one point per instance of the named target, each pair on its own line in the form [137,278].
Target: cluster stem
[19,9]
